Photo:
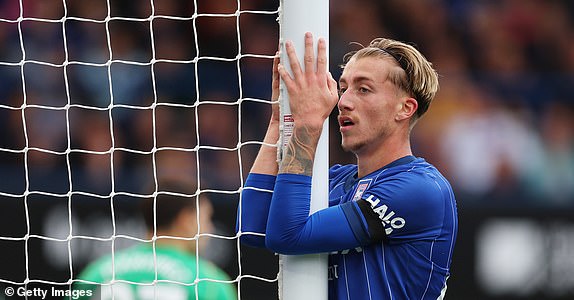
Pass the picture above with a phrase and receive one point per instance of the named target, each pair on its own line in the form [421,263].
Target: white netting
[103,100]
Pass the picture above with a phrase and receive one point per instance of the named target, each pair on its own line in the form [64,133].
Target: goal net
[101,102]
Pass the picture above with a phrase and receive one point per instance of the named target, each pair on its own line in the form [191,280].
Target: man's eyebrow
[357,79]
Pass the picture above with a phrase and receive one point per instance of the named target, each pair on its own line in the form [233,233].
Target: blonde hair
[417,76]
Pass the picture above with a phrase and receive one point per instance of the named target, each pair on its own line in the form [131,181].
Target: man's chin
[347,147]
[351,147]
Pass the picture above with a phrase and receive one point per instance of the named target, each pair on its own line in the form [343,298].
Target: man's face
[368,105]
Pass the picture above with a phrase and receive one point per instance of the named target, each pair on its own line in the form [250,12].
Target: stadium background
[501,128]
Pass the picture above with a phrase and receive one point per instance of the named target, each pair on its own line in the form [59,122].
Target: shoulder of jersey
[341,170]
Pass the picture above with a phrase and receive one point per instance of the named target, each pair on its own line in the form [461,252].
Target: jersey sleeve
[253,209]
[408,206]
[290,228]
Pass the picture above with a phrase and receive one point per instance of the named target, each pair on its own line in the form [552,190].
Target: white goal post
[305,276]
[103,99]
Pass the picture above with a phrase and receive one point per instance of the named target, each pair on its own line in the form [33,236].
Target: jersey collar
[353,179]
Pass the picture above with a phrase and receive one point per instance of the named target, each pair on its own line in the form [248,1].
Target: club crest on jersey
[361,188]
[387,217]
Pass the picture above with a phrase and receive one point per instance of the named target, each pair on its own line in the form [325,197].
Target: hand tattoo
[300,151]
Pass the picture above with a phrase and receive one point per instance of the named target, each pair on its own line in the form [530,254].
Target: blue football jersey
[390,234]
[409,210]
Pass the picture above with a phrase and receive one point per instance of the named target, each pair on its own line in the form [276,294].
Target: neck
[391,149]
[182,244]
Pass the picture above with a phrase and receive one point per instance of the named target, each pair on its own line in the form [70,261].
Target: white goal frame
[300,277]
[304,276]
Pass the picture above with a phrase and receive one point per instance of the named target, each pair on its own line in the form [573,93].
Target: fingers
[285,76]
[309,57]
[275,82]
[320,67]
[293,60]
[322,56]
[275,65]
[332,84]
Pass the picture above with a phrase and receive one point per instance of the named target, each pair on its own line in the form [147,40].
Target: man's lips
[345,122]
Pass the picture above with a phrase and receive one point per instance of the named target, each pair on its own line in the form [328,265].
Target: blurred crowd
[501,126]
[185,95]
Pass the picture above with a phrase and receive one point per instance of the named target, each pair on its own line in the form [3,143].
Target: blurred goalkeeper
[391,224]
[181,275]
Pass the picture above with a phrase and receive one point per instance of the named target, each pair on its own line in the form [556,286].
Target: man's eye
[342,91]
[364,90]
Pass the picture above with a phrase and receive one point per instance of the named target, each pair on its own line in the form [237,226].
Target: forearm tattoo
[300,152]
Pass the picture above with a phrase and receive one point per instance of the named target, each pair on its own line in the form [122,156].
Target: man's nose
[345,102]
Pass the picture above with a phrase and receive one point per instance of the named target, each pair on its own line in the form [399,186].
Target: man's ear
[408,109]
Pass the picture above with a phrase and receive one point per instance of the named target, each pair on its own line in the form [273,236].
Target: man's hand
[266,161]
[312,97]
[275,90]
[313,91]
